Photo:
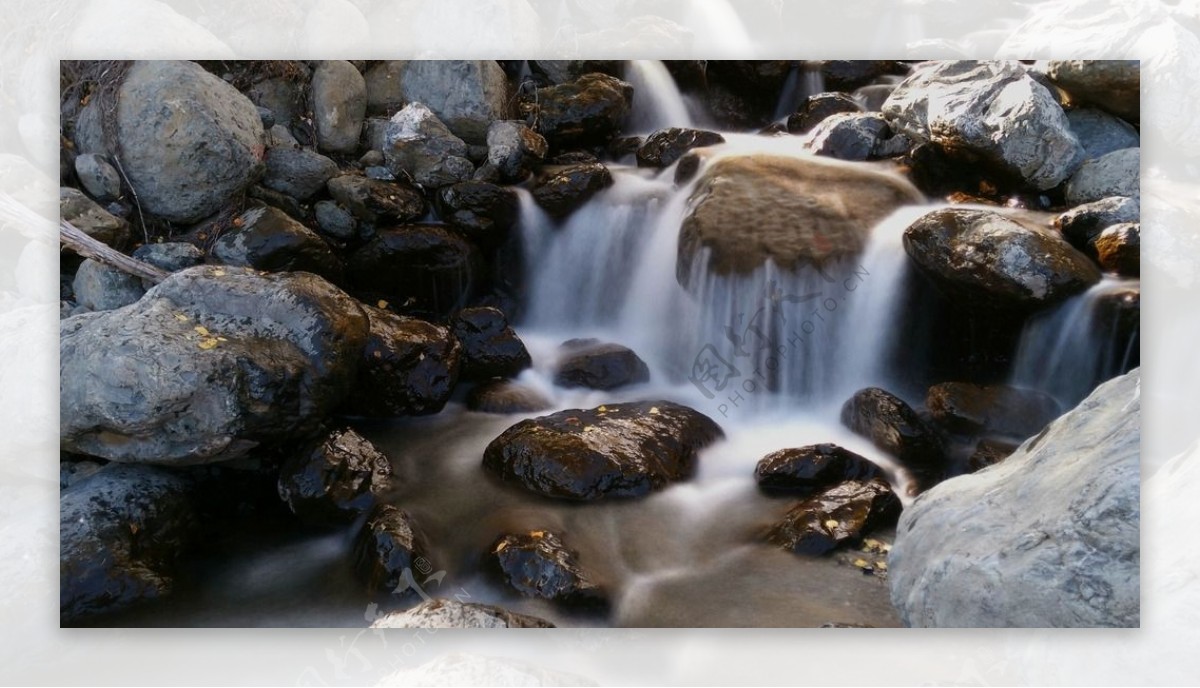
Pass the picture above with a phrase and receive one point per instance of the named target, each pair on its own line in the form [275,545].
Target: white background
[35,34]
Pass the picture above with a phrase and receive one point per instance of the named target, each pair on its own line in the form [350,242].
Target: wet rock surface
[490,347]
[390,554]
[408,367]
[268,239]
[838,516]
[664,147]
[1118,249]
[562,192]
[334,480]
[422,268]
[990,409]
[538,564]
[599,365]
[816,108]
[1114,85]
[373,200]
[587,111]
[514,149]
[1083,223]
[617,450]
[506,396]
[445,613]
[895,427]
[485,213]
[810,468]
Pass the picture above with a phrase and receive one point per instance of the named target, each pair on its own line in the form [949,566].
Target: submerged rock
[810,468]
[979,259]
[587,111]
[422,268]
[665,146]
[562,192]
[538,564]
[895,427]
[990,409]
[618,450]
[268,239]
[795,212]
[207,365]
[840,515]
[599,365]
[334,480]
[408,367]
[506,396]
[123,530]
[445,613]
[490,347]
[389,554]
[1050,537]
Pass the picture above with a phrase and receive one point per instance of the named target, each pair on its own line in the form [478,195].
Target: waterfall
[1071,349]
[803,80]
[657,102]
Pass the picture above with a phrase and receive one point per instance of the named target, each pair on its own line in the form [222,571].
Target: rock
[598,365]
[816,108]
[490,347]
[280,136]
[71,472]
[1047,538]
[123,529]
[385,87]
[209,364]
[422,268]
[335,480]
[754,80]
[99,287]
[409,367]
[388,546]
[1100,133]
[872,97]
[267,239]
[297,172]
[750,209]
[618,450]
[467,95]
[1119,249]
[989,452]
[98,177]
[339,106]
[171,256]
[91,219]
[849,136]
[444,613]
[895,428]
[418,144]
[485,213]
[980,259]
[274,199]
[847,75]
[375,158]
[1115,174]
[586,112]
[992,108]
[561,193]
[381,173]
[563,71]
[188,141]
[811,468]
[840,515]
[282,95]
[375,201]
[506,396]
[335,221]
[1082,224]
[665,146]
[514,149]
[538,564]
[990,409]
[1114,85]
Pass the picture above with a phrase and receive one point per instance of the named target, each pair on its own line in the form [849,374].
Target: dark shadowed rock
[444,613]
[123,530]
[297,172]
[339,106]
[490,347]
[99,287]
[989,452]
[377,201]
[207,365]
[388,546]
[409,367]
[1118,249]
[847,75]
[483,212]
[816,108]
[619,450]
[1082,224]
[560,193]
[599,365]
[267,239]
[810,468]
[514,149]
[981,259]
[587,111]
[895,428]
[416,143]
[538,564]
[335,221]
[419,268]
[840,515]
[506,396]
[990,409]
[334,480]
[665,146]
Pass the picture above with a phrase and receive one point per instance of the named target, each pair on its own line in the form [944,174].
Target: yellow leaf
[601,409]
[831,523]
[201,330]
[861,563]
[500,547]
[881,565]
[207,344]
[181,317]
[654,410]
[538,533]
[218,272]
[382,304]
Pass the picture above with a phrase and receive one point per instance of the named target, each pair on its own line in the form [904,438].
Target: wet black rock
[123,530]
[847,75]
[851,136]
[816,108]
[506,396]
[759,81]
[561,192]
[1082,224]
[1118,249]
[599,365]
[665,146]
[538,564]
[390,554]
[377,201]
[335,480]
[514,149]
[895,427]
[485,213]
[840,515]
[297,172]
[618,450]
[810,468]
[989,452]
[408,367]
[990,409]
[490,347]
[421,268]
[268,239]
[587,111]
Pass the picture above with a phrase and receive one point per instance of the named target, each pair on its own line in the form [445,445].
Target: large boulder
[750,209]
[339,106]
[209,364]
[1114,174]
[585,112]
[446,613]
[990,409]
[123,529]
[268,239]
[423,268]
[537,564]
[490,347]
[838,516]
[409,367]
[595,364]
[564,190]
[979,258]
[468,95]
[895,427]
[994,109]
[417,143]
[619,450]
[373,200]
[1049,537]
[810,468]
[335,479]
[1115,85]
[187,140]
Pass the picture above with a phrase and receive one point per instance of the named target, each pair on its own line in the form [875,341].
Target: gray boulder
[1047,538]
[335,221]
[446,613]
[514,148]
[1114,85]
[98,177]
[467,95]
[268,239]
[297,172]
[91,219]
[207,365]
[1082,224]
[1116,174]
[417,143]
[1101,133]
[188,140]
[992,108]
[849,136]
[339,106]
[99,287]
[283,96]
[171,256]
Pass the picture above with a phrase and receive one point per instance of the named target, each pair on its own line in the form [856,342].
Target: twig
[74,238]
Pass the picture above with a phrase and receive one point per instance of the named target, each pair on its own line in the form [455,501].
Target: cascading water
[657,102]
[804,80]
